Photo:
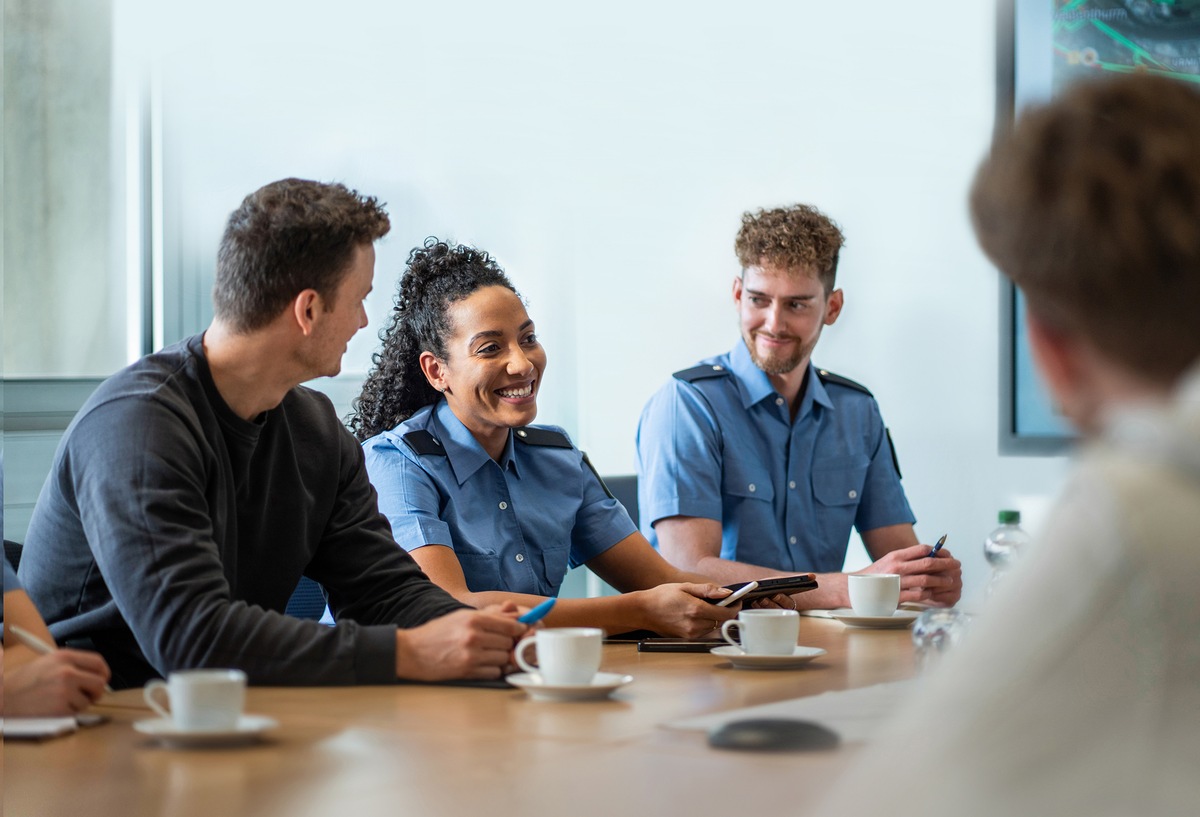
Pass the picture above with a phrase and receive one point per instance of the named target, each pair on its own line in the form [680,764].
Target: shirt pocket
[837,489]
[554,566]
[481,569]
[839,482]
[745,483]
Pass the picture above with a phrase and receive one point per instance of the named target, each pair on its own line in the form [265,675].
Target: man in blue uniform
[756,463]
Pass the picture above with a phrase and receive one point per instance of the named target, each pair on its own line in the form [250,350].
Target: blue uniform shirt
[724,447]
[515,525]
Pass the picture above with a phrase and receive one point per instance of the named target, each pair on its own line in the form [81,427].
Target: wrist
[405,659]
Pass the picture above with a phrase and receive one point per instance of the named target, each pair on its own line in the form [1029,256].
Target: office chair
[12,552]
[624,488]
[307,601]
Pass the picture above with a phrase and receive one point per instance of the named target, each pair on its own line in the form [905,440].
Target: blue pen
[537,613]
[938,546]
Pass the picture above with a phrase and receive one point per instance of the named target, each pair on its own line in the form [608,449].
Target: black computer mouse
[773,735]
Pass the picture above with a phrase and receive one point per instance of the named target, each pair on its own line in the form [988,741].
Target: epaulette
[829,377]
[895,459]
[542,436]
[596,474]
[422,442]
[701,372]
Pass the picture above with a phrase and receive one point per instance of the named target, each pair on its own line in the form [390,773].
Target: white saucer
[896,621]
[600,687]
[249,728]
[800,657]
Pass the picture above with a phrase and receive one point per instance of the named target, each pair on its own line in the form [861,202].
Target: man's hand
[462,644]
[57,684]
[680,609]
[924,578]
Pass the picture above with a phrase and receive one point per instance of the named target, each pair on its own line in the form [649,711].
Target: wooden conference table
[442,750]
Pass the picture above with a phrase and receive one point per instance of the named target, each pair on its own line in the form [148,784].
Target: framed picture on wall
[1043,46]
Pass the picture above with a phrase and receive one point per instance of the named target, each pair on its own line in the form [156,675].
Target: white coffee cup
[874,594]
[566,655]
[764,632]
[201,700]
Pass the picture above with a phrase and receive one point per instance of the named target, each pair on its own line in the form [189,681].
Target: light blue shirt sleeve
[408,496]
[679,457]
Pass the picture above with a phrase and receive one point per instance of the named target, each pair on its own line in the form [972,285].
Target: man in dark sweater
[195,487]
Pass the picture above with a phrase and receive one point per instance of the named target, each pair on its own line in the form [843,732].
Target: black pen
[938,546]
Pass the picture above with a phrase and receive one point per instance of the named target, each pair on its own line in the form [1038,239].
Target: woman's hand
[683,609]
[60,683]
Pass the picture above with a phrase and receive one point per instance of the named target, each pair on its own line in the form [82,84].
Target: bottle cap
[1010,517]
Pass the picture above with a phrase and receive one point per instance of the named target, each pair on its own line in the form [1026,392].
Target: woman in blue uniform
[493,508]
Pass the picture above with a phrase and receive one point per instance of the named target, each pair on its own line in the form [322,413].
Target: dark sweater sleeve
[142,480]
[369,578]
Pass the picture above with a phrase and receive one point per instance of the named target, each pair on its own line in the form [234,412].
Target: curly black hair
[436,275]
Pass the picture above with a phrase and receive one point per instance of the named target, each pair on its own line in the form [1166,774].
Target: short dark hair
[792,238]
[286,237]
[1091,205]
[437,275]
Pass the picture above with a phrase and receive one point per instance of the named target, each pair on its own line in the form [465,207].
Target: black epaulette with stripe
[701,372]
[422,442]
[542,436]
[829,377]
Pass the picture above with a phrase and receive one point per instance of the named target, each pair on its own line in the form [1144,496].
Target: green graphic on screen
[1151,36]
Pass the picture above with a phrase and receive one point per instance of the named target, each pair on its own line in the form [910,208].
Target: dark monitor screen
[1044,45]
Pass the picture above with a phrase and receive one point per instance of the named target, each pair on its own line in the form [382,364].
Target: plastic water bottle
[1003,546]
[936,631]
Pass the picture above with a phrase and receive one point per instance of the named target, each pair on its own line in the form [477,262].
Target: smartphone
[785,584]
[679,644]
[737,594]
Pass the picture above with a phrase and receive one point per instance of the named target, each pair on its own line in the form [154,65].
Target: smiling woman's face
[493,366]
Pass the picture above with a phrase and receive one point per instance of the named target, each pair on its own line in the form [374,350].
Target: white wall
[605,155]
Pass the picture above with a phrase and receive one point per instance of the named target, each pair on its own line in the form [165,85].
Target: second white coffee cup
[874,594]
[764,632]
[201,700]
[566,655]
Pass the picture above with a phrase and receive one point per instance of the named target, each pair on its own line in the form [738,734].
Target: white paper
[36,728]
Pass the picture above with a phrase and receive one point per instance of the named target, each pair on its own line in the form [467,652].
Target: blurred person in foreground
[1078,689]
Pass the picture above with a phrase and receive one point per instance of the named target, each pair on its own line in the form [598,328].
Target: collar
[755,386]
[465,453]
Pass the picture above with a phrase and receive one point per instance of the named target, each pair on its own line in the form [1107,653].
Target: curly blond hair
[794,238]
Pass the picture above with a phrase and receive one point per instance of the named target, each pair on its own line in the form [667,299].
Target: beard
[780,363]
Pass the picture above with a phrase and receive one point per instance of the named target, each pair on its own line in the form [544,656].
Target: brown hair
[796,238]
[1091,205]
[286,237]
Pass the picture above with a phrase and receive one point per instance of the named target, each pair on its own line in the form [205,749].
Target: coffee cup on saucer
[201,700]
[764,632]
[874,594]
[566,656]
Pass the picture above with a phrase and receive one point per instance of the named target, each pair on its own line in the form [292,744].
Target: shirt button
[504,505]
[792,540]
[520,557]
[752,487]
[853,494]
[792,485]
[779,401]
[521,432]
